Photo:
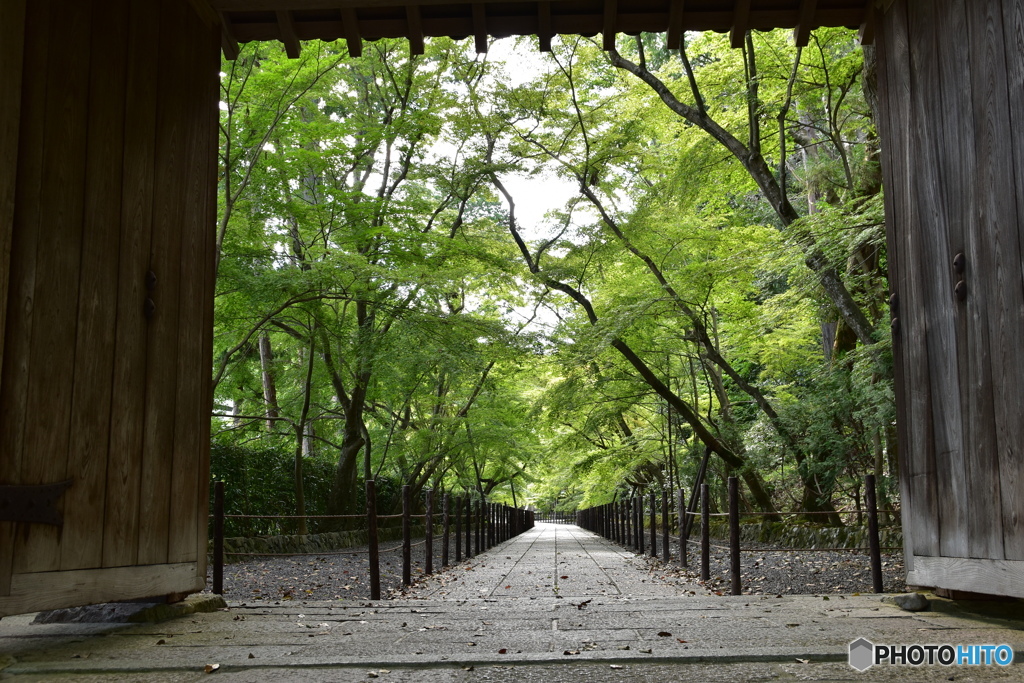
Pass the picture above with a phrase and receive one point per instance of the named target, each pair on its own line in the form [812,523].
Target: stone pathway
[555,604]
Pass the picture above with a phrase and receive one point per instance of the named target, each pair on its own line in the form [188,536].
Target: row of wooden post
[623,522]
[481,524]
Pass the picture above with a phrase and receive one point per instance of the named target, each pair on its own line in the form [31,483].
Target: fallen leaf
[211,668]
[161,642]
[664,634]
[252,656]
[682,641]
[502,651]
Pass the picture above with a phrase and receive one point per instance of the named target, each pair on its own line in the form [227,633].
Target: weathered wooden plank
[995,577]
[58,262]
[993,213]
[82,536]
[932,264]
[120,540]
[192,420]
[53,590]
[1011,463]
[953,114]
[893,157]
[12,49]
[919,502]
[209,275]
[169,198]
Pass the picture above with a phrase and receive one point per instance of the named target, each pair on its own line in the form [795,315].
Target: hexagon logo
[862,654]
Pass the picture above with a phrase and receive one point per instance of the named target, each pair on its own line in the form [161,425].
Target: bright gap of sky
[534,195]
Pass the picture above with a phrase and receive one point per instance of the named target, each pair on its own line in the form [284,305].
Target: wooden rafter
[544,30]
[480,27]
[805,23]
[674,38]
[867,27]
[412,15]
[611,10]
[740,23]
[228,42]
[352,38]
[288,35]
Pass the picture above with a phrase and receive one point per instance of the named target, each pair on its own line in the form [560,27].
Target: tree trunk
[269,387]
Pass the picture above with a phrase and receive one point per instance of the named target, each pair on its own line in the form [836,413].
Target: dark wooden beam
[802,32]
[867,27]
[480,27]
[412,16]
[288,36]
[544,31]
[674,37]
[205,13]
[611,10]
[740,22]
[352,38]
[228,42]
[563,18]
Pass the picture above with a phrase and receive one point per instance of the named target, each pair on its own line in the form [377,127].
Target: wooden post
[681,519]
[654,525]
[469,528]
[628,540]
[218,538]
[428,563]
[665,555]
[479,526]
[458,529]
[446,543]
[372,538]
[489,512]
[406,535]
[734,534]
[705,534]
[638,512]
[876,551]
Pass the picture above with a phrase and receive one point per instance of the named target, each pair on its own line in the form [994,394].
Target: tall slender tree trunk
[269,386]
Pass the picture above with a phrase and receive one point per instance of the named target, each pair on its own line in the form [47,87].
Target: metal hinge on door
[32,504]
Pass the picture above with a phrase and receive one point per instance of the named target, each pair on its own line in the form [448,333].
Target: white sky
[534,196]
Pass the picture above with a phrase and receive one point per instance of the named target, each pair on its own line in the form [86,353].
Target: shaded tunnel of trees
[552,280]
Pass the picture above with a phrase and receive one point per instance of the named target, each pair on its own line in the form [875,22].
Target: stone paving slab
[499,620]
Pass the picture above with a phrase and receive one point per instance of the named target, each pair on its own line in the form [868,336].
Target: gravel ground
[346,576]
[322,576]
[775,572]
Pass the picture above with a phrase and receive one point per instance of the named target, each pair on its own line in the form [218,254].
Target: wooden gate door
[951,73]
[107,205]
